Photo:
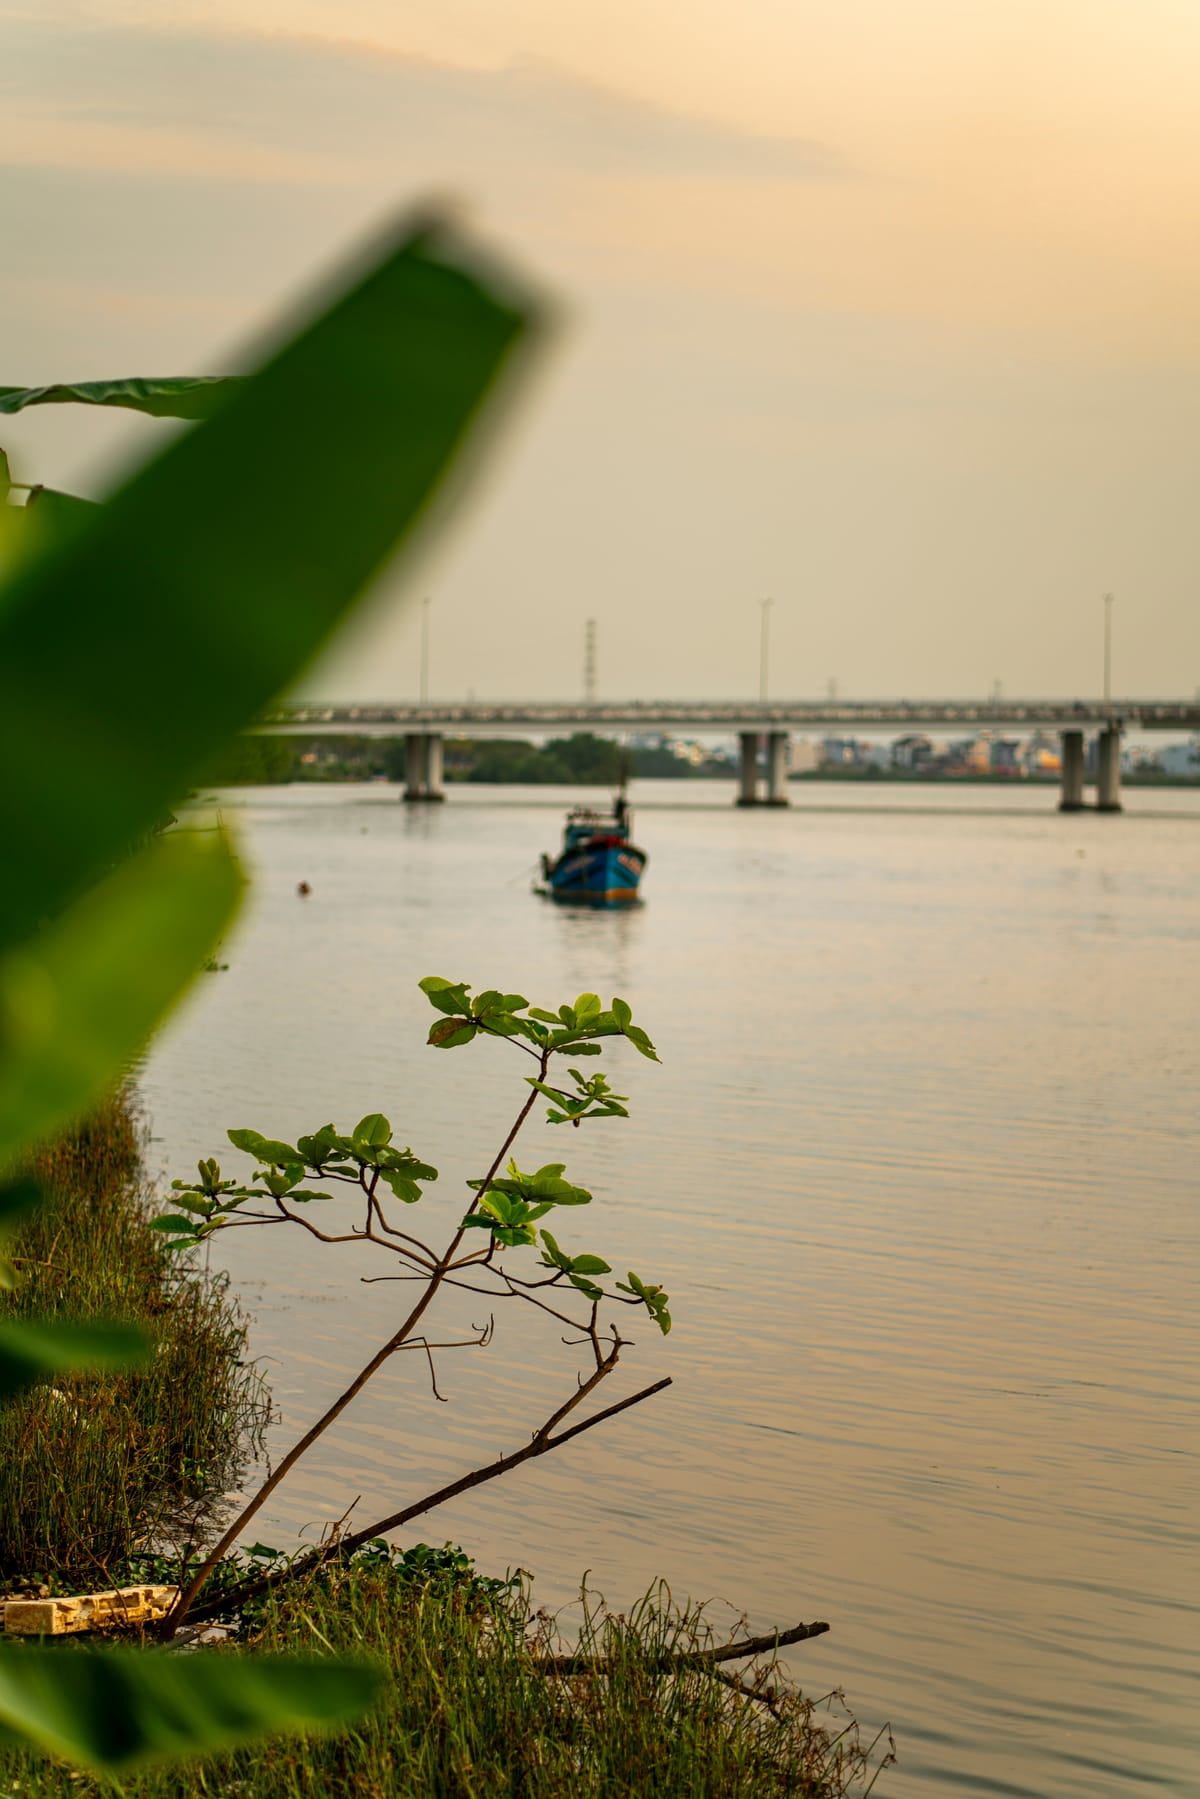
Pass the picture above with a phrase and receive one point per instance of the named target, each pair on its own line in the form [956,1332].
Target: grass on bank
[468,1713]
[93,1464]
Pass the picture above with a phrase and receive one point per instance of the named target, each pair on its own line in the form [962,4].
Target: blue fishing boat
[597,865]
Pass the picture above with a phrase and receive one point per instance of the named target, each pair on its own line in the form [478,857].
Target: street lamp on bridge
[764,642]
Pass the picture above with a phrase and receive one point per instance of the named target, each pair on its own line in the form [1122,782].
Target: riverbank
[95,1465]
[470,1706]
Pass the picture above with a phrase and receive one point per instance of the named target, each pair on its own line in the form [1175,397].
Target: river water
[918,1169]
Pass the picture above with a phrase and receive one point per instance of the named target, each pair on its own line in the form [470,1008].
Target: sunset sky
[887,312]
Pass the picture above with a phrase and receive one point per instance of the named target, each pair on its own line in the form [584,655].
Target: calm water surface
[918,1169]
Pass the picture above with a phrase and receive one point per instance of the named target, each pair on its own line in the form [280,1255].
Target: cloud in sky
[932,388]
[345,105]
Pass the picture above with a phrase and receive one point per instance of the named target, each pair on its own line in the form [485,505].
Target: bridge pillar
[1072,772]
[777,761]
[423,766]
[747,768]
[1108,769]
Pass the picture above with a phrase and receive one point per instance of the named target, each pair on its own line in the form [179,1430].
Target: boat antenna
[621,804]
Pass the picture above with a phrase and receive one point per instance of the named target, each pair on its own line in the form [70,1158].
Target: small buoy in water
[303,889]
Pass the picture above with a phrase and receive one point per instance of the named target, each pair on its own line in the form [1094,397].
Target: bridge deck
[469,719]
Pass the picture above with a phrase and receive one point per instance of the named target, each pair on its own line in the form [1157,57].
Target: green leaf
[113,1709]
[447,996]
[590,1265]
[177,397]
[31,1350]
[404,1188]
[322,1147]
[130,648]
[267,1150]
[174,1222]
[545,1017]
[5,478]
[448,1033]
[373,1130]
[554,1093]
[653,1298]
[78,1003]
[202,1208]
[502,1024]
[641,1042]
[280,1184]
[586,1006]
[586,1286]
[621,1013]
[554,1257]
[547,1184]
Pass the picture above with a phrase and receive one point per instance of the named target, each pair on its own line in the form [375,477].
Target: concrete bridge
[759,725]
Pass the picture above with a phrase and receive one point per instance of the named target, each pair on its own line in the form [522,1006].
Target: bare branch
[693,1658]
[424,1261]
[541,1443]
[480,1340]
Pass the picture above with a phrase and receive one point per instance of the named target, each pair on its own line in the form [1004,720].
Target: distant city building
[1040,755]
[913,752]
[806,756]
[839,752]
[977,754]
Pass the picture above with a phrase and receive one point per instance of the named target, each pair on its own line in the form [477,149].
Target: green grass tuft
[92,1465]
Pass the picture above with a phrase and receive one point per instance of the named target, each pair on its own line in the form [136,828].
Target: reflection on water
[918,1170]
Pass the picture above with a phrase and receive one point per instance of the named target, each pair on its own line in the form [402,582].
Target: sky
[886,311]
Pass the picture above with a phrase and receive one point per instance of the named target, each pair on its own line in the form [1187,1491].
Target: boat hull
[596,874]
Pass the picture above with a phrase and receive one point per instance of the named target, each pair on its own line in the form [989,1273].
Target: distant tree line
[581,760]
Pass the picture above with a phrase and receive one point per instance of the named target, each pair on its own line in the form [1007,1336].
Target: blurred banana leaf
[180,397]
[33,1349]
[57,509]
[144,637]
[112,1709]
[135,638]
[80,999]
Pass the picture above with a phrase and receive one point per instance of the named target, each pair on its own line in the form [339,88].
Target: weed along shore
[115,1479]
[96,1467]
